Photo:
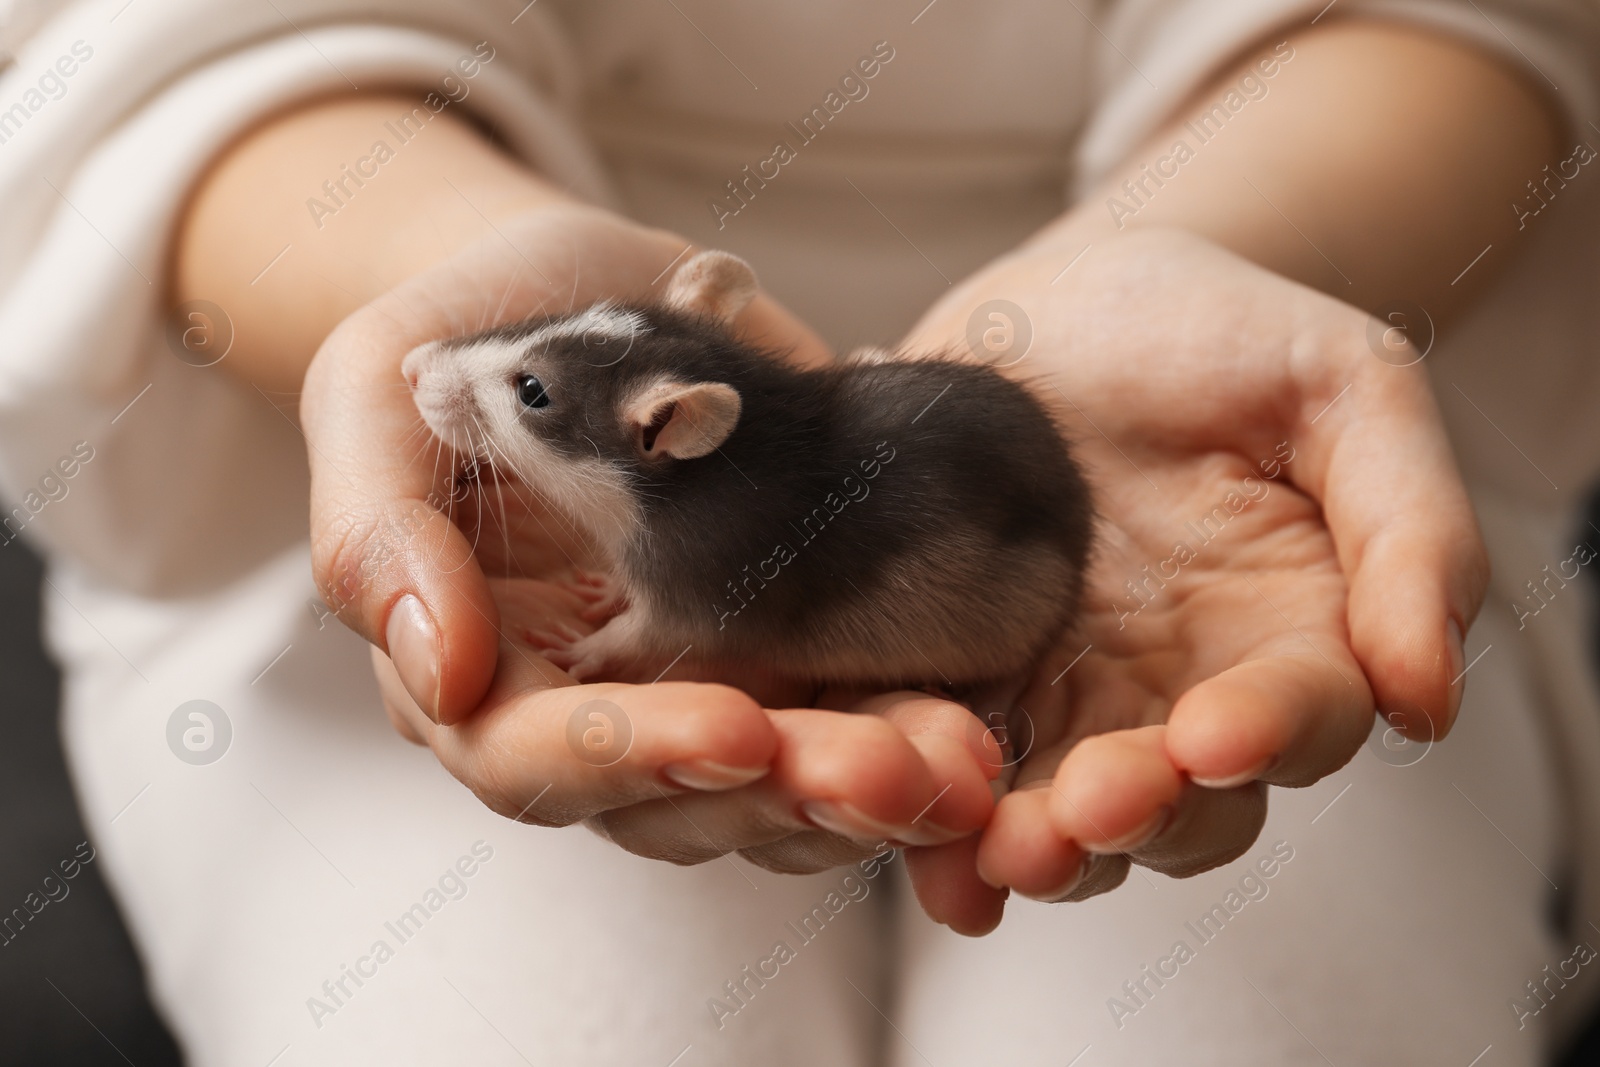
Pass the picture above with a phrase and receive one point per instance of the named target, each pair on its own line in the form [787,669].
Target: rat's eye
[531,392]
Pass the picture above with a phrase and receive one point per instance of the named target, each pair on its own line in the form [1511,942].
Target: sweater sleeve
[1155,53]
[109,113]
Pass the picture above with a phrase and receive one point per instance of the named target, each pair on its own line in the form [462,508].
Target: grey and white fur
[881,521]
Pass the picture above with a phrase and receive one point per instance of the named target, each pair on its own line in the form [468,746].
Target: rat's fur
[899,522]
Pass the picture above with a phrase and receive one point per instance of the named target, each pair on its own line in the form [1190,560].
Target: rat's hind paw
[600,658]
[602,597]
[556,644]
[615,653]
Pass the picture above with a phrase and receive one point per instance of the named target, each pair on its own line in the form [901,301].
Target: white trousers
[325,894]
[1406,910]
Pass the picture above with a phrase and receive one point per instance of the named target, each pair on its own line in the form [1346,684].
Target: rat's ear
[684,420]
[716,284]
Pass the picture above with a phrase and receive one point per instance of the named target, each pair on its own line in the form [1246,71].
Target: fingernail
[1055,896]
[1456,649]
[846,821]
[1239,779]
[1136,839]
[414,647]
[711,776]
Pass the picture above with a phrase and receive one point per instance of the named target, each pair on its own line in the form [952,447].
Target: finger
[1118,793]
[1210,827]
[562,754]
[945,880]
[1379,463]
[397,703]
[855,776]
[520,670]
[961,755]
[1115,791]
[1287,719]
[1020,848]
[392,567]
[918,715]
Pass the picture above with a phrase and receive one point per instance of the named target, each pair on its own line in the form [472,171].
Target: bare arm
[1380,162]
[439,192]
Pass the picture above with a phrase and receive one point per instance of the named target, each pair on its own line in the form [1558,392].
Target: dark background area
[71,990]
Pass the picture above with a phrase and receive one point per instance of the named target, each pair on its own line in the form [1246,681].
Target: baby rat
[886,522]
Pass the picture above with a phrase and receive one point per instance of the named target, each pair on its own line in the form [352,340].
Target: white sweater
[177,542]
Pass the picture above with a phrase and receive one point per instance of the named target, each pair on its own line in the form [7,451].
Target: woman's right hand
[387,557]
[682,771]
[690,771]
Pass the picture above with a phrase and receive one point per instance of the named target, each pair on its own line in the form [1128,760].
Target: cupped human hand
[448,568]
[692,771]
[1283,542]
[386,554]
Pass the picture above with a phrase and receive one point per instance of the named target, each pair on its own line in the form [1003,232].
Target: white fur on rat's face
[461,390]
[607,333]
[453,387]
[468,394]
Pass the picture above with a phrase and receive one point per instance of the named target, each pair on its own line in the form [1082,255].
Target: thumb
[387,561]
[1407,539]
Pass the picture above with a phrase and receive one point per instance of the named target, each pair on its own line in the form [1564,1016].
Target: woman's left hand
[1282,536]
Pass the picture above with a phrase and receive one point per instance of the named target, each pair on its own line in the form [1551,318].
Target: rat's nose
[445,401]
[417,361]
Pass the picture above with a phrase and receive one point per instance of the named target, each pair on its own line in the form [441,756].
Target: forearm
[382,217]
[1379,163]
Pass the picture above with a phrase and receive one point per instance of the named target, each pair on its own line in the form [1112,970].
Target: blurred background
[71,991]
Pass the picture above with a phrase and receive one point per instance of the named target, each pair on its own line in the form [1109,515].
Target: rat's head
[572,404]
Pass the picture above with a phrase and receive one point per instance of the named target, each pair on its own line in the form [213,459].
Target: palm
[1209,592]
[1281,533]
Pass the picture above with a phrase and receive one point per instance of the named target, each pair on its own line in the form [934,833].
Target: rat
[885,520]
